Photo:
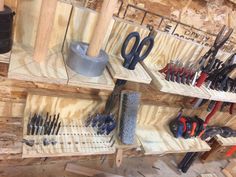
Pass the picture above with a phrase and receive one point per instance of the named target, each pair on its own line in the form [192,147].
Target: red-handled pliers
[208,60]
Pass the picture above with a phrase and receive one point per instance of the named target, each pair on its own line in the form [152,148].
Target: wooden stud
[1,5]
[47,14]
[103,22]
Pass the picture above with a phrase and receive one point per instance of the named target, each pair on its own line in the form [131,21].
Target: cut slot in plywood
[159,140]
[175,88]
[231,141]
[23,67]
[73,137]
[117,71]
[104,82]
[222,96]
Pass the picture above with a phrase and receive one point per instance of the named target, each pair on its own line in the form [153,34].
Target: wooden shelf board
[117,71]
[104,81]
[176,88]
[159,140]
[5,58]
[23,67]
[222,96]
[231,141]
[86,145]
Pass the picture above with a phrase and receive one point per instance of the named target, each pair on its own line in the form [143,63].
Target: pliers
[208,60]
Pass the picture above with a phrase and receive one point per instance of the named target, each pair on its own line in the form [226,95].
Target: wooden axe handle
[1,5]
[102,25]
[46,20]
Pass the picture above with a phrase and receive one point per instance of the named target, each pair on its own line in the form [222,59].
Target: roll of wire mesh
[6,28]
[130,101]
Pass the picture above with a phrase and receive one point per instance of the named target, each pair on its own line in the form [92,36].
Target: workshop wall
[208,15]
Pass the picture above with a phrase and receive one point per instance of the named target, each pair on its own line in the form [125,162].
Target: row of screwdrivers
[43,125]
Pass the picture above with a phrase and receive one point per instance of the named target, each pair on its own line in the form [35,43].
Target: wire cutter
[207,61]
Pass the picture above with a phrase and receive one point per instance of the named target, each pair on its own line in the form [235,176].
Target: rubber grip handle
[231,151]
[201,79]
[193,101]
[193,129]
[164,70]
[214,110]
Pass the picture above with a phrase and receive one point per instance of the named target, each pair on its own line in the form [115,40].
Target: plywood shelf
[104,81]
[231,141]
[179,89]
[54,70]
[117,71]
[222,96]
[191,91]
[24,67]
[159,140]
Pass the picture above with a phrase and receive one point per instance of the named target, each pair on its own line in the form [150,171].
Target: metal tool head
[231,60]
[222,37]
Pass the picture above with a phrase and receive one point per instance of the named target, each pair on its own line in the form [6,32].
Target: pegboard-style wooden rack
[73,137]
[71,141]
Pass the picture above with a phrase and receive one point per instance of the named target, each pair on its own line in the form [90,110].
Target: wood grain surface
[44,30]
[23,67]
[81,26]
[118,71]
[159,140]
[120,31]
[27,19]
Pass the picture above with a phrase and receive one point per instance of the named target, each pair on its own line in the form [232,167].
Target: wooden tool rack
[161,100]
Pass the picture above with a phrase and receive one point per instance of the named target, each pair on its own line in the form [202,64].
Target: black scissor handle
[128,57]
[147,41]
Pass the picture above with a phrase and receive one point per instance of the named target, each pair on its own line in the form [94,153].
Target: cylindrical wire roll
[128,116]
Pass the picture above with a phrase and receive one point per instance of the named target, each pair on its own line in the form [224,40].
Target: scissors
[136,55]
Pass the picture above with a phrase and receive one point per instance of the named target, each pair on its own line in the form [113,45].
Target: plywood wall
[27,19]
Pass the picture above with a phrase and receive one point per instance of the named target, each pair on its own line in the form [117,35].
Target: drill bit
[58,128]
[55,124]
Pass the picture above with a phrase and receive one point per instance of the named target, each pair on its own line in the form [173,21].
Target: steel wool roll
[128,116]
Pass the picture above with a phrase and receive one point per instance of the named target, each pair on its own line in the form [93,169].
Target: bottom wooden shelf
[79,140]
[159,140]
